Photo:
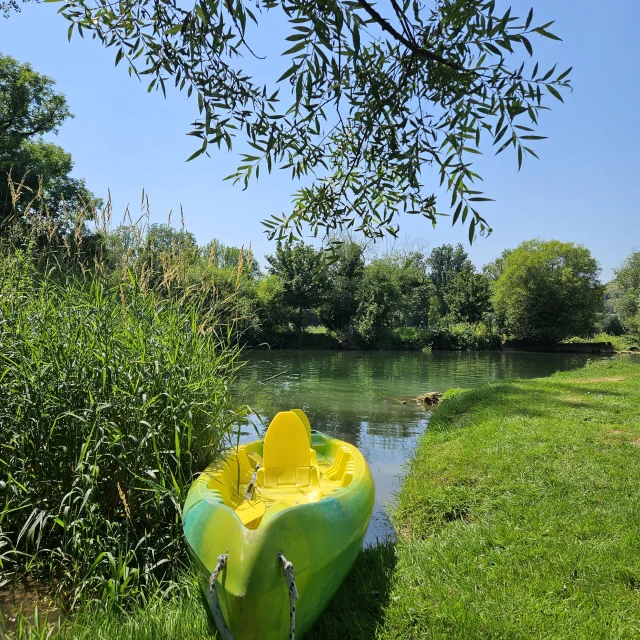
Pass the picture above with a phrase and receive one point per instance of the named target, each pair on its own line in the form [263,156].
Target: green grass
[520,513]
[355,612]
[620,343]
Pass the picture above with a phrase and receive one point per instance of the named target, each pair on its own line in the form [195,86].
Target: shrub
[465,335]
[410,338]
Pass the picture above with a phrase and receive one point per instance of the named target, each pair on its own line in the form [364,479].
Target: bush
[410,338]
[465,335]
[112,398]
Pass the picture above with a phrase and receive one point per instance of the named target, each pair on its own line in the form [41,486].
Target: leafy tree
[38,170]
[415,291]
[468,297]
[29,105]
[395,292]
[443,263]
[272,311]
[548,291]
[377,299]
[298,266]
[164,239]
[370,97]
[627,301]
[494,269]
[344,279]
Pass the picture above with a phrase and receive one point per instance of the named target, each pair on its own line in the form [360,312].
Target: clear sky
[584,188]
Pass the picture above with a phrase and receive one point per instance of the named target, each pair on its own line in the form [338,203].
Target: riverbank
[519,512]
[466,339]
[518,518]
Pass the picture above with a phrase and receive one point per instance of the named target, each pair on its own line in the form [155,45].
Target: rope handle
[216,612]
[287,569]
[218,618]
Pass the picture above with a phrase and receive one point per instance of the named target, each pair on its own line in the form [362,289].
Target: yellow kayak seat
[307,425]
[289,472]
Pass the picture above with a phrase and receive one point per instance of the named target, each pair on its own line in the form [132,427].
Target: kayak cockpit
[291,466]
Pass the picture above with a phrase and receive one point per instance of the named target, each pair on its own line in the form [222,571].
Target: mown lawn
[520,514]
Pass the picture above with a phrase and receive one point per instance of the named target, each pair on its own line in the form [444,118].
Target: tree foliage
[468,297]
[548,291]
[627,301]
[344,277]
[29,167]
[443,263]
[369,99]
[395,293]
[297,265]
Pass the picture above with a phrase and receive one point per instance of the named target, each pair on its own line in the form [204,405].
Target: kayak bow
[298,495]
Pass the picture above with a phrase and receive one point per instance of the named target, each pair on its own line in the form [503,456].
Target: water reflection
[358,397]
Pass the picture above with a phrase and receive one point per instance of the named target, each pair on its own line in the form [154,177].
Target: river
[358,397]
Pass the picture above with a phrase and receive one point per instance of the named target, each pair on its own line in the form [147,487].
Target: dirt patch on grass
[596,380]
[618,436]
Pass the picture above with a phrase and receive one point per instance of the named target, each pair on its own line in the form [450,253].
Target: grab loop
[218,618]
[287,569]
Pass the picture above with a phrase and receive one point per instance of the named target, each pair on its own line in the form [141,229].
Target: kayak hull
[322,540]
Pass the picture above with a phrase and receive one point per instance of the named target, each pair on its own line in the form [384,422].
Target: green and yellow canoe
[297,495]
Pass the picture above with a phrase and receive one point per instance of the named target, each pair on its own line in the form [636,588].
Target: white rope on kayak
[287,569]
[247,495]
[213,599]
[218,618]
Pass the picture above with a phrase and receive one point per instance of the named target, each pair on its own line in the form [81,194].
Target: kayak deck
[262,478]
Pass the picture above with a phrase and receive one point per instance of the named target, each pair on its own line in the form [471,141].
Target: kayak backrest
[307,425]
[286,446]
[305,421]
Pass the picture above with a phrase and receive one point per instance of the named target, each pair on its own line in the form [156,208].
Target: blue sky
[583,189]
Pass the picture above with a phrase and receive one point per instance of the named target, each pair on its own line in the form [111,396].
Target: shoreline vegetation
[317,338]
[516,518]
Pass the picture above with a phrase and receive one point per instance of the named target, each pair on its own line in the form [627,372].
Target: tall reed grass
[115,391]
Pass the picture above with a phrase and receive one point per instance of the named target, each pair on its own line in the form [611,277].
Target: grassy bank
[520,513]
[620,343]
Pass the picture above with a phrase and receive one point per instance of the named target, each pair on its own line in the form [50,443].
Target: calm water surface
[357,397]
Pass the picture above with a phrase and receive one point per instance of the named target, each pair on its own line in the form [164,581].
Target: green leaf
[197,153]
[529,19]
[289,72]
[554,92]
[563,75]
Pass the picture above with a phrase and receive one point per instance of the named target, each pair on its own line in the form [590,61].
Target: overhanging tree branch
[414,47]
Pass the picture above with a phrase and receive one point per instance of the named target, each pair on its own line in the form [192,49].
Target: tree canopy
[548,291]
[297,265]
[30,168]
[627,301]
[370,96]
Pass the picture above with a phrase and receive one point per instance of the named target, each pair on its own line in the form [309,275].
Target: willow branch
[412,46]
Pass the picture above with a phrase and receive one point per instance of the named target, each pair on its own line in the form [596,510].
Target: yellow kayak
[274,527]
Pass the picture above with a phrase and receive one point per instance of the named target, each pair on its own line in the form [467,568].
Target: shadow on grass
[357,609]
